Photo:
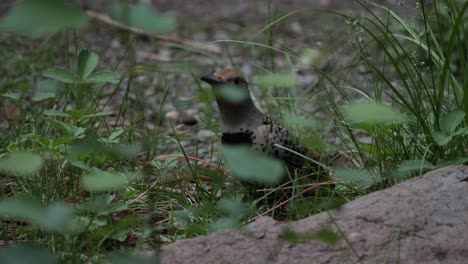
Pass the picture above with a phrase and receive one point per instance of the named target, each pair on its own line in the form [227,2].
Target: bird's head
[236,105]
[225,77]
[229,79]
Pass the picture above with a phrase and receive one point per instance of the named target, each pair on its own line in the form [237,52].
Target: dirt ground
[213,20]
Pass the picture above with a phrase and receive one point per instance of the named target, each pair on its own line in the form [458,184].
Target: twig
[108,20]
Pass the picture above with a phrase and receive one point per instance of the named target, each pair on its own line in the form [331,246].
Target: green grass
[87,178]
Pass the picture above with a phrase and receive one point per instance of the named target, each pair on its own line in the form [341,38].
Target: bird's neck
[237,116]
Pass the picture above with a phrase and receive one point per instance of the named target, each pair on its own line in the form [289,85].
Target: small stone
[172,116]
[187,119]
[205,133]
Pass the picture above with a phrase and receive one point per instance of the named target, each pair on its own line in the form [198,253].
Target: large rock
[422,220]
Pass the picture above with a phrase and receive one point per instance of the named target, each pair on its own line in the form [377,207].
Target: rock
[422,220]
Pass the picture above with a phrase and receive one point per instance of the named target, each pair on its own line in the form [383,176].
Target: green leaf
[63,140]
[450,121]
[252,166]
[38,97]
[232,94]
[409,166]
[113,137]
[145,17]
[103,77]
[89,116]
[77,132]
[21,164]
[451,161]
[25,254]
[358,177]
[87,62]
[45,89]
[77,114]
[441,139]
[60,74]
[372,113]
[54,112]
[12,96]
[285,80]
[105,181]
[460,132]
[35,18]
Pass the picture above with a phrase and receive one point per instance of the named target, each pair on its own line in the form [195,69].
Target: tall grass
[412,72]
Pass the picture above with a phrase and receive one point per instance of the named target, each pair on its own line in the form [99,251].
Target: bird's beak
[211,79]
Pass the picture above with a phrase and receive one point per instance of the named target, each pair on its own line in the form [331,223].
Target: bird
[242,123]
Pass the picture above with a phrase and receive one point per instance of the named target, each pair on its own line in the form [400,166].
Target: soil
[213,20]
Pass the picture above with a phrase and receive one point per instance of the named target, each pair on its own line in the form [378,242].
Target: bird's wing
[279,135]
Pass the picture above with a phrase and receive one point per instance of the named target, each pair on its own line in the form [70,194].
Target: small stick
[108,20]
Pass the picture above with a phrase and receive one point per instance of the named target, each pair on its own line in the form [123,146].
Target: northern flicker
[243,124]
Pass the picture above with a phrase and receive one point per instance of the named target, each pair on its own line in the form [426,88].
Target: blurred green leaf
[232,94]
[372,113]
[358,177]
[285,80]
[409,166]
[21,164]
[57,217]
[145,17]
[311,57]
[106,181]
[233,208]
[450,121]
[103,77]
[252,166]
[35,18]
[224,223]
[24,254]
[291,120]
[22,209]
[87,62]
[59,74]
[325,235]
